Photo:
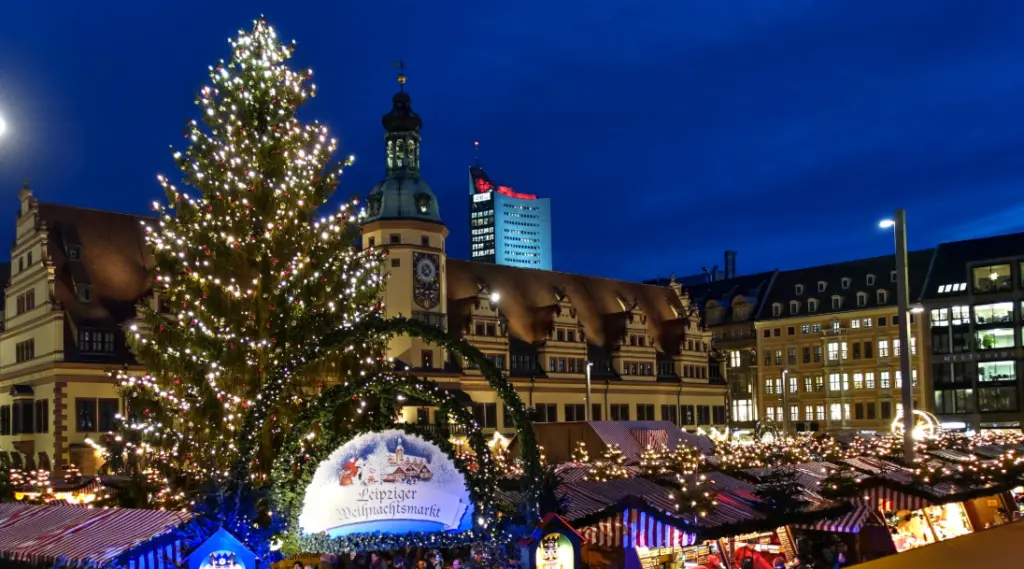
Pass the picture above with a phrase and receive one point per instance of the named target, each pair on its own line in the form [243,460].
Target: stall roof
[79,535]
[996,547]
[628,436]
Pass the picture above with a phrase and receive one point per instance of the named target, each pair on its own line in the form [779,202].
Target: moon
[3,125]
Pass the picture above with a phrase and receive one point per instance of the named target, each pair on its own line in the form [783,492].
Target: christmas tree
[245,275]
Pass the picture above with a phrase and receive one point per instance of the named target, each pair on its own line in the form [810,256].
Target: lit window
[998,313]
[939,317]
[834,384]
[833,351]
[992,278]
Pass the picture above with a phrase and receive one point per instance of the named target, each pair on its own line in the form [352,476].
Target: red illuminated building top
[483,185]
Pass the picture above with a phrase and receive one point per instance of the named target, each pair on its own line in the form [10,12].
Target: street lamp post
[588,412]
[899,225]
[785,406]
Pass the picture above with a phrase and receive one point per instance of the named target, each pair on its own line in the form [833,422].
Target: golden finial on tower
[400,66]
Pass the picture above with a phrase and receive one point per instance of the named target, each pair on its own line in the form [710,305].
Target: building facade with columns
[828,346]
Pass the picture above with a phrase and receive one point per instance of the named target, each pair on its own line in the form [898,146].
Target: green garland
[299,459]
[278,384]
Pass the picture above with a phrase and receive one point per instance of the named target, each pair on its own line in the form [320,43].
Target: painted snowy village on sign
[389,476]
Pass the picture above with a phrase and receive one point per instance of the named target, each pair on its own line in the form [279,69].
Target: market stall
[77,535]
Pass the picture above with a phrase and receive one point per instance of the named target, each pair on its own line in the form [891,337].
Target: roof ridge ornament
[400,66]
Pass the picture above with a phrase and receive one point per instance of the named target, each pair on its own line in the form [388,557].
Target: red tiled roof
[528,298]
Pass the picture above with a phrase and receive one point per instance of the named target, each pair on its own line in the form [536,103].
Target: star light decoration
[251,280]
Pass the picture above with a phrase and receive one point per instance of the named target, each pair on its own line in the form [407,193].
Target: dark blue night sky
[664,132]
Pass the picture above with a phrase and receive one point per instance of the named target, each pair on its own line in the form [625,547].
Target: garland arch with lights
[262,410]
[313,439]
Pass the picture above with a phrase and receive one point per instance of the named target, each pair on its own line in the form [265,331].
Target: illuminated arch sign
[389,482]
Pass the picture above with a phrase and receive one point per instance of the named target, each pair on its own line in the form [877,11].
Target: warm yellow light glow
[926,425]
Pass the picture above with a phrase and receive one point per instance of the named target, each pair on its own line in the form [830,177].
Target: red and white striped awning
[85,536]
[850,522]
[633,528]
[650,438]
[886,499]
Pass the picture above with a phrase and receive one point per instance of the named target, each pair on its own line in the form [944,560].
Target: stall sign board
[388,482]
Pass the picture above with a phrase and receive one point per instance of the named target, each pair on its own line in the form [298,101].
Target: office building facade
[974,303]
[508,227]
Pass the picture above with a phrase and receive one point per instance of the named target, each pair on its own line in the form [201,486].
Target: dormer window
[883,297]
[892,276]
[822,285]
[837,302]
[84,293]
[776,309]
[794,307]
[374,202]
[870,280]
[74,253]
[845,283]
[812,305]
[799,289]
[862,299]
[423,203]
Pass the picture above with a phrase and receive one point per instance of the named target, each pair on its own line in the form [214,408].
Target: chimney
[730,264]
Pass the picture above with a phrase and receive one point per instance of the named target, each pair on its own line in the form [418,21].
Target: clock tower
[403,217]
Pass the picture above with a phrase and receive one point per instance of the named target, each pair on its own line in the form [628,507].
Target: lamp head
[886,223]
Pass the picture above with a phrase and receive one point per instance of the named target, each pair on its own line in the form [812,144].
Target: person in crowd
[436,561]
[297,565]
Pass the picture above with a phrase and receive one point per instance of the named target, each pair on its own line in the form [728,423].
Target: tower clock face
[426,288]
[426,269]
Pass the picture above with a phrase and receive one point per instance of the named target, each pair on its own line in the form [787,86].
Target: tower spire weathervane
[400,66]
